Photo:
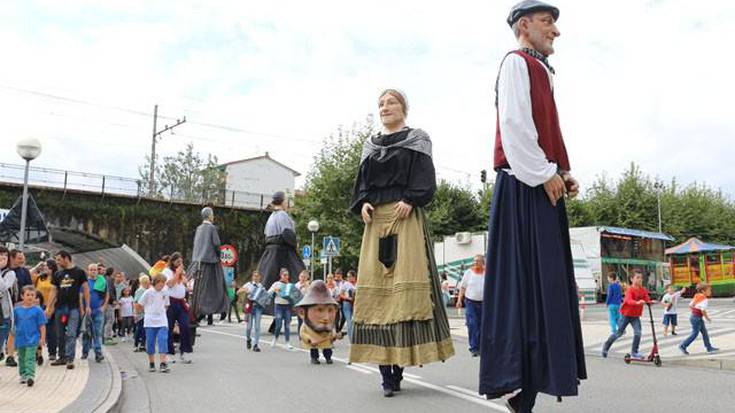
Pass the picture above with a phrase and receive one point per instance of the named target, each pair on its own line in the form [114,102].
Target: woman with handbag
[398,319]
[256,299]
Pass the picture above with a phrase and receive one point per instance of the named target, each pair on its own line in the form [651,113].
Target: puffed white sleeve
[517,130]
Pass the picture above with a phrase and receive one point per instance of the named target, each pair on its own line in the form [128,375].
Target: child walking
[669,301]
[635,297]
[699,306]
[126,314]
[614,298]
[29,332]
[252,289]
[145,283]
[154,302]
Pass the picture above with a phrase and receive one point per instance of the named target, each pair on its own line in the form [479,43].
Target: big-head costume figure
[318,310]
[531,335]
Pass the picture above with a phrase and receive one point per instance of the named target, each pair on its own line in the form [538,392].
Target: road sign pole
[330,265]
[311,264]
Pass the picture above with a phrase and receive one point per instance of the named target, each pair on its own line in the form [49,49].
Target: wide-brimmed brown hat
[318,293]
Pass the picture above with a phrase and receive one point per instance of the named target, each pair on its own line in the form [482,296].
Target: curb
[113,395]
[711,363]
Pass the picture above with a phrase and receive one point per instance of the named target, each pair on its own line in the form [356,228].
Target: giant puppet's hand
[403,209]
[555,188]
[571,184]
[367,213]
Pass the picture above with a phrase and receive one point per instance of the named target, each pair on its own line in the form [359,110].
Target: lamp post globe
[29,148]
[313,225]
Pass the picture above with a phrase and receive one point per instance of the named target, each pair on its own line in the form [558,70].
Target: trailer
[455,254]
[620,250]
[696,261]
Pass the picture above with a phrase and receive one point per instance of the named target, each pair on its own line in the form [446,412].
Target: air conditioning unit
[463,237]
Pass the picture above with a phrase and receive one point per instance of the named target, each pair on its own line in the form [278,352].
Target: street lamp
[659,186]
[28,149]
[313,227]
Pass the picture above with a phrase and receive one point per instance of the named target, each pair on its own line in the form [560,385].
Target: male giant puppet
[280,244]
[210,292]
[531,334]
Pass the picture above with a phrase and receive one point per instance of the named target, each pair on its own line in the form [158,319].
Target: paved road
[225,378]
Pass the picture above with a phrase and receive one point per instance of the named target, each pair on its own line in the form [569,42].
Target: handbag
[261,297]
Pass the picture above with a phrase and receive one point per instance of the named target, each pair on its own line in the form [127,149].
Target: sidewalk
[595,333]
[89,387]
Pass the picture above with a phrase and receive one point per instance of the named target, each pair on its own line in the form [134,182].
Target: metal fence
[118,185]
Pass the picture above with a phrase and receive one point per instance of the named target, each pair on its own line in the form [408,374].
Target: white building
[251,182]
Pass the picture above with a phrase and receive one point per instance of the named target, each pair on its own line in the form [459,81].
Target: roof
[636,233]
[694,245]
[266,156]
[121,259]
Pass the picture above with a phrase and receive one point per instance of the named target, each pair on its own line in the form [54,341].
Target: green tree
[186,177]
[455,209]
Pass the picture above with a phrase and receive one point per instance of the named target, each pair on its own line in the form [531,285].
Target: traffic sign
[228,255]
[307,261]
[331,247]
[306,252]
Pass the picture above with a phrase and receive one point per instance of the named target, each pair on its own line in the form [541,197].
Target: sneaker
[683,350]
[52,357]
[70,365]
[604,353]
[674,333]
[256,349]
[164,368]
[110,342]
[712,349]
[249,344]
[10,362]
[315,361]
[636,356]
[388,392]
[59,362]
[23,381]
[29,382]
[2,356]
[475,354]
[85,356]
[273,343]
[138,350]
[99,357]
[184,360]
[152,367]
[289,346]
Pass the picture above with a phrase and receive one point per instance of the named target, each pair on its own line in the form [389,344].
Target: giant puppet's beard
[318,327]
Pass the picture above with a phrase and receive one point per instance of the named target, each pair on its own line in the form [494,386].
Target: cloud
[642,82]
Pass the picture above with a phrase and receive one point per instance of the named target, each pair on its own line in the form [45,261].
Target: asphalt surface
[226,378]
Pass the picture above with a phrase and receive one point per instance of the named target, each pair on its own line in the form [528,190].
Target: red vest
[545,117]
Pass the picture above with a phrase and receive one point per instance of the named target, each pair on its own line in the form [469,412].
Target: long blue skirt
[531,334]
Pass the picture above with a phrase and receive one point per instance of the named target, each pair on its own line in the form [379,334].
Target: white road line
[725,313]
[363,371]
[412,376]
[465,391]
[461,394]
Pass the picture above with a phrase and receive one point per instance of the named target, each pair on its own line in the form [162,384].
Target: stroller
[653,357]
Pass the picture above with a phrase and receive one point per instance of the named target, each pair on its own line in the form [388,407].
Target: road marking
[461,394]
[725,313]
[465,391]
[363,371]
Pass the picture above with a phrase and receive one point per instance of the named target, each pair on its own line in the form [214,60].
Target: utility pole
[156,134]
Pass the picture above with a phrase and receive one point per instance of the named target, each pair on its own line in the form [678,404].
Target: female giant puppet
[399,319]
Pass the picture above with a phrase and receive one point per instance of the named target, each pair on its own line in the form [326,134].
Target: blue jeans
[177,314]
[283,316]
[697,327]
[347,312]
[614,316]
[254,324]
[156,335]
[624,321]
[473,320]
[4,331]
[67,335]
[93,336]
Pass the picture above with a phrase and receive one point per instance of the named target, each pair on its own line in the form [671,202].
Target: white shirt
[154,304]
[178,290]
[517,130]
[671,299]
[474,285]
[126,306]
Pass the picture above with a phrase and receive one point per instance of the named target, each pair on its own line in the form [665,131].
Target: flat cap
[530,6]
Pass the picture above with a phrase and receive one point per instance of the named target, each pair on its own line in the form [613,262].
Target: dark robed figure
[210,291]
[531,334]
[280,244]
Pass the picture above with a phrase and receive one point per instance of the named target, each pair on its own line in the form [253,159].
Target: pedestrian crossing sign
[331,247]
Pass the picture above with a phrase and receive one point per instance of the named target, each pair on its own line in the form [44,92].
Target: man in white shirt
[471,290]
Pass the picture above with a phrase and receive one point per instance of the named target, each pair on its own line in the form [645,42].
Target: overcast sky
[644,81]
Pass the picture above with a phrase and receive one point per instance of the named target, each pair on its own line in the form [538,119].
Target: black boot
[386,372]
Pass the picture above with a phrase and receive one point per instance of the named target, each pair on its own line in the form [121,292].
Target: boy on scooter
[635,297]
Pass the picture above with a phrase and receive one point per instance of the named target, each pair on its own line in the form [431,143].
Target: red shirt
[630,308]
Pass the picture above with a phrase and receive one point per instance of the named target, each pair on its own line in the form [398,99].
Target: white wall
[259,176]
